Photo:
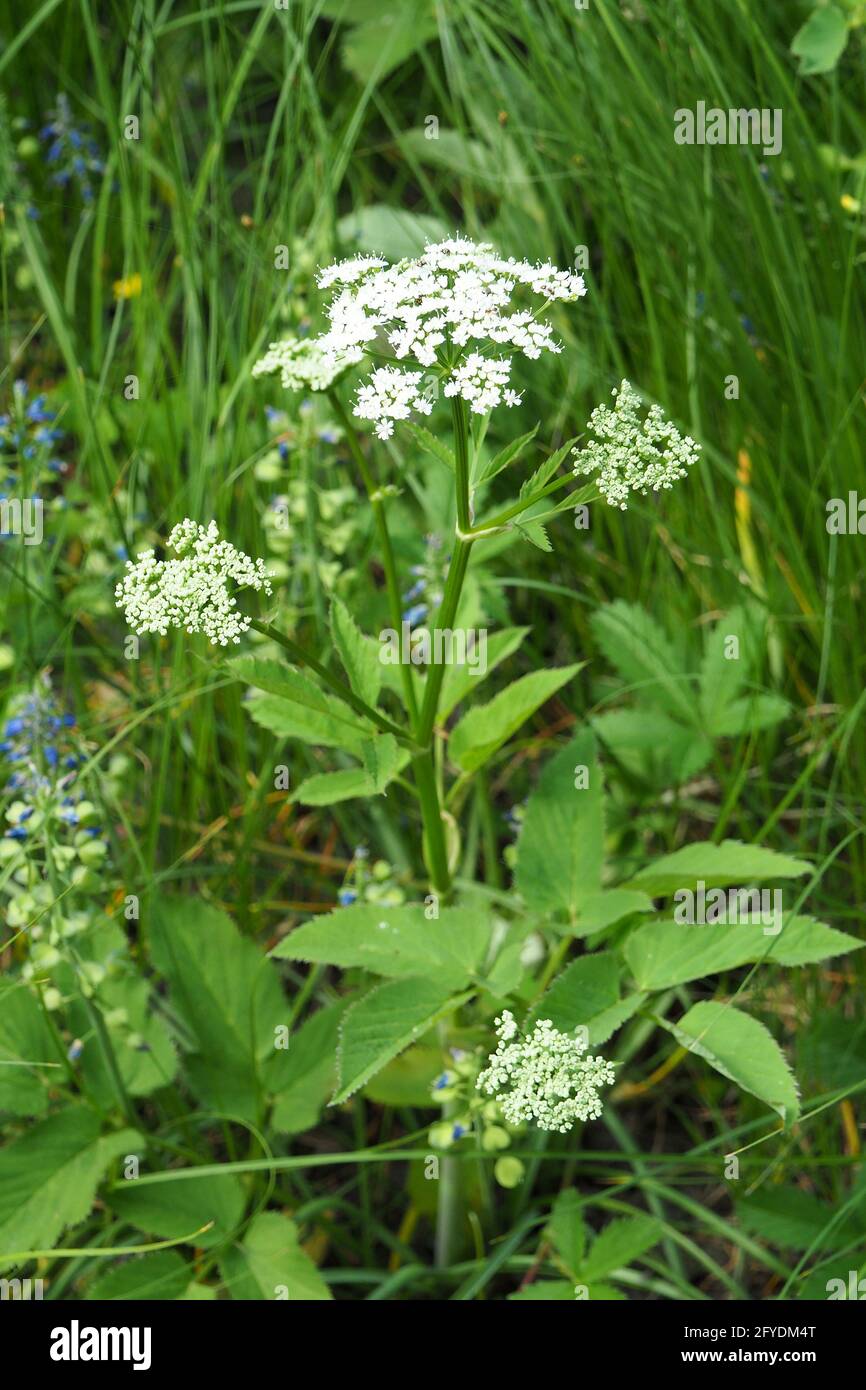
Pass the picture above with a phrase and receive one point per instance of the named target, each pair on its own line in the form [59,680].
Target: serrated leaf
[162,1275]
[603,909]
[383,1023]
[477,736]
[652,747]
[383,759]
[561,846]
[603,1025]
[545,471]
[48,1177]
[786,1216]
[359,654]
[567,1230]
[544,1291]
[304,1077]
[506,455]
[169,1210]
[293,706]
[270,1264]
[662,954]
[431,445]
[583,989]
[743,1050]
[621,1242]
[28,1053]
[395,942]
[227,995]
[535,533]
[462,680]
[717,866]
[640,650]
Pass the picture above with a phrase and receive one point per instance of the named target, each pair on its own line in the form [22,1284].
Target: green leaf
[143,1069]
[48,1177]
[359,654]
[566,1229]
[583,989]
[293,706]
[640,650]
[561,846]
[461,681]
[226,994]
[785,1216]
[620,1243]
[485,728]
[652,747]
[173,1209]
[270,1264]
[603,1025]
[533,531]
[305,1075]
[452,151]
[546,1291]
[821,41]
[383,760]
[750,713]
[395,941]
[431,445]
[546,471]
[162,1275]
[387,231]
[661,954]
[506,455]
[603,909]
[25,1043]
[743,1050]
[383,1023]
[717,866]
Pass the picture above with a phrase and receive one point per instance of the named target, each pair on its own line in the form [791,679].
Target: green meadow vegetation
[531,975]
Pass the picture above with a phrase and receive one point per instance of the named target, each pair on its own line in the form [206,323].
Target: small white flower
[544,1078]
[631,454]
[429,309]
[391,394]
[191,592]
[303,364]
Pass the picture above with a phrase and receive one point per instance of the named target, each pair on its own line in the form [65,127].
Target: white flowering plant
[579,950]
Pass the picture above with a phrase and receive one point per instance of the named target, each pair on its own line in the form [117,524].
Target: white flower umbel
[303,364]
[631,453]
[430,309]
[544,1078]
[193,592]
[391,394]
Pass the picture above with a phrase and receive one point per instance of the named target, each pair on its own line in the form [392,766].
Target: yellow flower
[849,204]
[129,287]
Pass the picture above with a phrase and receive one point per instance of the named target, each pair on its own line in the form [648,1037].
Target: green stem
[436,855]
[300,654]
[377,502]
[444,620]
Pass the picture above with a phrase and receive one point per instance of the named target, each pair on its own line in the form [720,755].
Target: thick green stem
[434,830]
[444,620]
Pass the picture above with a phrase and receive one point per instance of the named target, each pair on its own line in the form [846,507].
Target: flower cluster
[633,454]
[72,152]
[545,1077]
[428,311]
[392,395]
[191,592]
[49,816]
[303,364]
[28,436]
